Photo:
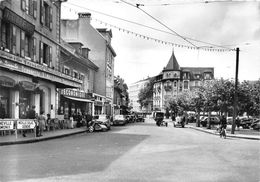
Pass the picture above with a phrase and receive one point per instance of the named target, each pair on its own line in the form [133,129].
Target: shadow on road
[83,153]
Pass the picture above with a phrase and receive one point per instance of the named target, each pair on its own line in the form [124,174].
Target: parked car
[214,120]
[229,120]
[256,124]
[139,118]
[119,120]
[129,118]
[246,122]
[104,119]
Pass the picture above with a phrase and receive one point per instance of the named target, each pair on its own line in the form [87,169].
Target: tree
[249,98]
[145,95]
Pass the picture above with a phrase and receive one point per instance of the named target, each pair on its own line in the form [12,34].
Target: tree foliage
[145,95]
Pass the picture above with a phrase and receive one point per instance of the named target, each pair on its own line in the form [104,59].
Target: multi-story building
[175,79]
[101,53]
[134,90]
[29,57]
[121,96]
[74,61]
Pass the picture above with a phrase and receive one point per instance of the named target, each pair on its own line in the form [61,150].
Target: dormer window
[207,76]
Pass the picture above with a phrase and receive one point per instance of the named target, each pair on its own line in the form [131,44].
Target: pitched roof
[172,64]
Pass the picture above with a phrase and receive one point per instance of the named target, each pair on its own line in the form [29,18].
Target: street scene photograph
[129,90]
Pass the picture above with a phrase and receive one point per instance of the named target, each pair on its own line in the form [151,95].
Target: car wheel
[91,129]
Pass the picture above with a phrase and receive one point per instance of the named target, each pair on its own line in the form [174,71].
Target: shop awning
[78,99]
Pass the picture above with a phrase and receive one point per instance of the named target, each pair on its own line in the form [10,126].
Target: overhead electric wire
[139,24]
[198,2]
[137,6]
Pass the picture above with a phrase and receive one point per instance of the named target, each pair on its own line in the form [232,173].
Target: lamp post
[235,94]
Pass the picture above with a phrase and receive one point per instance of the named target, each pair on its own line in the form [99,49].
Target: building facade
[29,57]
[101,53]
[121,96]
[134,90]
[175,79]
[74,62]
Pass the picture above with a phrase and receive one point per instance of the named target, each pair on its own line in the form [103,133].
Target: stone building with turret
[174,79]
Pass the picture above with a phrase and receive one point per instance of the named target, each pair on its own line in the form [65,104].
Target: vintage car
[119,120]
[105,119]
[214,120]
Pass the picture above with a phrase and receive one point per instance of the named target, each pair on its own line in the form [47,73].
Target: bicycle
[222,133]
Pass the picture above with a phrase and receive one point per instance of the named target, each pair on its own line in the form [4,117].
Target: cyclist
[223,125]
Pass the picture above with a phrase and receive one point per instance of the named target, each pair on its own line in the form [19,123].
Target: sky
[224,24]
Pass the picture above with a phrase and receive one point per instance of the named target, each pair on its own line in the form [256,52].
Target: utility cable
[146,26]
[138,7]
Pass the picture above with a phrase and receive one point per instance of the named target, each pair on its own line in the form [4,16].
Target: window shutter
[50,21]
[13,33]
[50,59]
[42,12]
[41,53]
[47,56]
[31,7]
[35,9]
[34,49]
[22,43]
[23,5]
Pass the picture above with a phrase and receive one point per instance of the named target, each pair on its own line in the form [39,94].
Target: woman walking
[41,120]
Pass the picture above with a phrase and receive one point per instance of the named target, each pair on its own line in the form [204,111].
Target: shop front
[74,102]
[24,84]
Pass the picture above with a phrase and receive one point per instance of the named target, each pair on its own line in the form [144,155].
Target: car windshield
[102,117]
[119,116]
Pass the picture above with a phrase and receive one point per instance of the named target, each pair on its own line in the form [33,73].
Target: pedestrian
[2,111]
[41,120]
[237,122]
[48,122]
[173,117]
[88,120]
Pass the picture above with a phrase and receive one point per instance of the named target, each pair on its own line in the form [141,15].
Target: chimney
[85,52]
[85,16]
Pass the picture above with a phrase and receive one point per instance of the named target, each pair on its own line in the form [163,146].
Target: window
[26,47]
[185,75]
[185,85]
[66,70]
[46,14]
[30,7]
[207,76]
[45,54]
[75,74]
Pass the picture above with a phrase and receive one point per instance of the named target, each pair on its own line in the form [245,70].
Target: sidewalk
[251,135]
[47,135]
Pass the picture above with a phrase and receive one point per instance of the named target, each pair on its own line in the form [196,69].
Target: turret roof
[172,64]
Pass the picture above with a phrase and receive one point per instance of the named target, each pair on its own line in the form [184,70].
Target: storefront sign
[12,17]
[19,64]
[23,124]
[75,93]
[6,124]
[6,81]
[28,85]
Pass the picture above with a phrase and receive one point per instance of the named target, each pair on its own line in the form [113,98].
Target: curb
[34,140]
[228,135]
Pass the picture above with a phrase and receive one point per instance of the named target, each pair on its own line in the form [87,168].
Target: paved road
[135,152]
